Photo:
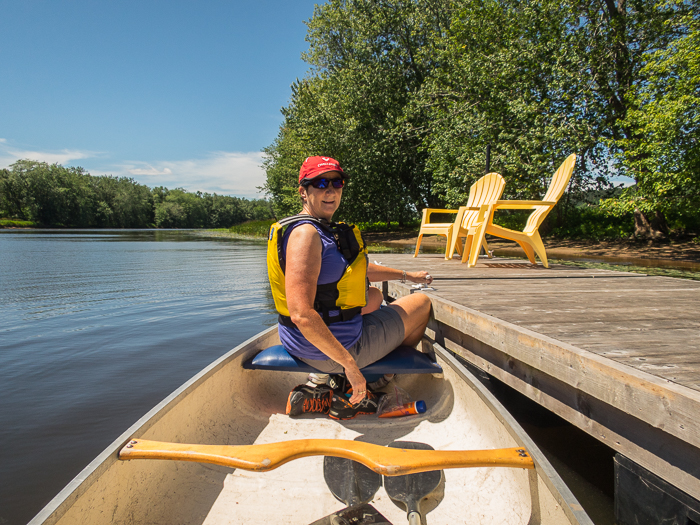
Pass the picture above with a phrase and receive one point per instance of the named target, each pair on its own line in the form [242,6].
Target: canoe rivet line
[521,453]
[130,446]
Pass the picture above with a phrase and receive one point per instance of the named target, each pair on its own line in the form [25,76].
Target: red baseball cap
[315,166]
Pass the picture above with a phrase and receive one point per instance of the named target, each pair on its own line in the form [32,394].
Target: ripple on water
[97,327]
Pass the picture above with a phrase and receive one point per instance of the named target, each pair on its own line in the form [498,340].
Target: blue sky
[172,93]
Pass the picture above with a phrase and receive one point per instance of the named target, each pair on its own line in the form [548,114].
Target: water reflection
[96,327]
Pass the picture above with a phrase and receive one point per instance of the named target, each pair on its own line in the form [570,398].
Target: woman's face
[322,203]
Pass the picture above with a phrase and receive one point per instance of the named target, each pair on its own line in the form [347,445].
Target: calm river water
[96,327]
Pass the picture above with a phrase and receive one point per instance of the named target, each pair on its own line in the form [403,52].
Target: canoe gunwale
[544,469]
[56,508]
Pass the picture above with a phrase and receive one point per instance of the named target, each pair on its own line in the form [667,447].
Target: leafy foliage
[259,228]
[12,223]
[53,195]
[663,154]
[367,63]
[407,94]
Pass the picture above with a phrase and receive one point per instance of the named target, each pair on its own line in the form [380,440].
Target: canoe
[227,404]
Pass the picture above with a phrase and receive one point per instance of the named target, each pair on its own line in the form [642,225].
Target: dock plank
[612,314]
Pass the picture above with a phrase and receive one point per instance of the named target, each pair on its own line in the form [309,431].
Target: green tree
[181,209]
[505,80]
[55,195]
[122,203]
[15,198]
[282,160]
[663,155]
[366,65]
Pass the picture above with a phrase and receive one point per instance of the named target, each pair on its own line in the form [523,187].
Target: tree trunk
[652,227]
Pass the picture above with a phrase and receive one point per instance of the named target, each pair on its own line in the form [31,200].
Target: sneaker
[339,383]
[341,408]
[381,382]
[305,399]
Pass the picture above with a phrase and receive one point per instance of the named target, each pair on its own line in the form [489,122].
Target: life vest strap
[343,315]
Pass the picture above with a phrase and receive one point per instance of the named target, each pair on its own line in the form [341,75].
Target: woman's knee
[414,309]
[426,303]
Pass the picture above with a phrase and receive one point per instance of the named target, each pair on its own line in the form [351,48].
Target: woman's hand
[359,385]
[419,277]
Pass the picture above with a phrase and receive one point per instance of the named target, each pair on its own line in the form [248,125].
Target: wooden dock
[617,354]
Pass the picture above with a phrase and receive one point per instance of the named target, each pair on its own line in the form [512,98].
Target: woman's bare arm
[377,273]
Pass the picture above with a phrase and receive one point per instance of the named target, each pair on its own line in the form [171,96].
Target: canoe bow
[383,460]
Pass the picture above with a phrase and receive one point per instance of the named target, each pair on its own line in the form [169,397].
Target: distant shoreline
[677,251]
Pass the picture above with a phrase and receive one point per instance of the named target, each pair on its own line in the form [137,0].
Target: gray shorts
[382,332]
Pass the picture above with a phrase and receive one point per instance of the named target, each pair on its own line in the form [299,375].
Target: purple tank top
[333,265]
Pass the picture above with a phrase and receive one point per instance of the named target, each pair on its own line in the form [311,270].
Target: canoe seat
[403,360]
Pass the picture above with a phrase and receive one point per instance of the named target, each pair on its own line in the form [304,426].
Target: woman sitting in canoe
[328,317]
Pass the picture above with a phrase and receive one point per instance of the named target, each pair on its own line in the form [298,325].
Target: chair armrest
[428,211]
[474,208]
[522,205]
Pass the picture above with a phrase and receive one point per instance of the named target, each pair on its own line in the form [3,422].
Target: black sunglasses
[322,184]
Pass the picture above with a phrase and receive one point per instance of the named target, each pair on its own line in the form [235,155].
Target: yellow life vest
[347,295]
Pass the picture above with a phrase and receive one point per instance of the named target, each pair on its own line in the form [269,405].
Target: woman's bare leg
[374,300]
[415,311]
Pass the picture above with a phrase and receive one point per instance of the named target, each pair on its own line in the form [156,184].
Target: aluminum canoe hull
[226,404]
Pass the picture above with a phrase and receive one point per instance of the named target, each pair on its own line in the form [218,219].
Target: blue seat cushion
[403,360]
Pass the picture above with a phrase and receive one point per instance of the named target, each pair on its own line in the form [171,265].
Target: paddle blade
[410,489]
[358,515]
[350,481]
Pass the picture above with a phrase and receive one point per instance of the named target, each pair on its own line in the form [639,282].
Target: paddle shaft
[383,460]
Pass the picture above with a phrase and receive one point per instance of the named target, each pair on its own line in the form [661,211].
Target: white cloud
[149,171]
[10,155]
[223,172]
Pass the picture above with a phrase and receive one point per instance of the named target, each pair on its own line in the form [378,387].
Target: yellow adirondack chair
[486,190]
[529,239]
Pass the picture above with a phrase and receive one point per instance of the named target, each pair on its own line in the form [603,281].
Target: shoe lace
[317,404]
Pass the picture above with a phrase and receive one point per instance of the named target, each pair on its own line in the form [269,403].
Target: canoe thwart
[402,360]
[383,460]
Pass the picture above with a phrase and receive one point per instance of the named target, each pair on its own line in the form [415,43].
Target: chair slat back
[486,190]
[560,180]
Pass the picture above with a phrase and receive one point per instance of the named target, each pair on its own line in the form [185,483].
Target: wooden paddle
[383,460]
[412,488]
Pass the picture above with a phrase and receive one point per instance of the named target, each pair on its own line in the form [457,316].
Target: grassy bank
[14,223]
[256,229]
[251,230]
